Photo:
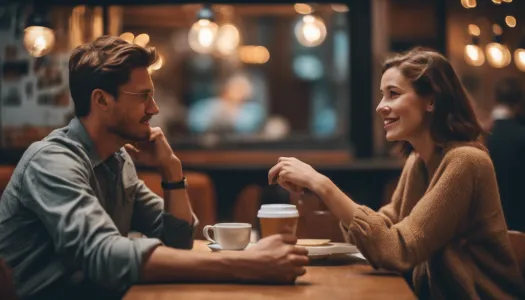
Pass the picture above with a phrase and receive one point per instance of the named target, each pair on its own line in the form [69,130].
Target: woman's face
[403,111]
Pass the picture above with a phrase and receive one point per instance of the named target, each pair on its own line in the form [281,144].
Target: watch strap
[177,185]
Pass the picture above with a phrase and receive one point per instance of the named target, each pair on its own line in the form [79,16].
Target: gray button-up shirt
[66,212]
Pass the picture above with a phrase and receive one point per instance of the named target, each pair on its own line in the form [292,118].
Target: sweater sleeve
[390,212]
[431,224]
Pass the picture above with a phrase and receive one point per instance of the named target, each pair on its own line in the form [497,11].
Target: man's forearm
[165,264]
[176,202]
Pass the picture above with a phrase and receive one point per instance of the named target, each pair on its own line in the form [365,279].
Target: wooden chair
[247,204]
[7,286]
[5,175]
[315,220]
[517,241]
[200,190]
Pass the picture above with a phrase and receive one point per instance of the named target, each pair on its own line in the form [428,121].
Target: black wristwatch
[178,185]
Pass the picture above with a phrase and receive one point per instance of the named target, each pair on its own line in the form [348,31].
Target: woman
[445,223]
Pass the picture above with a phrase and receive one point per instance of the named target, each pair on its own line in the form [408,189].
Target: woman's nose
[382,108]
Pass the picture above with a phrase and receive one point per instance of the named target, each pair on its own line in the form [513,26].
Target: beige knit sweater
[446,225]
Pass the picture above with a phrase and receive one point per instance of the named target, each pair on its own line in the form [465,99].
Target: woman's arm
[431,224]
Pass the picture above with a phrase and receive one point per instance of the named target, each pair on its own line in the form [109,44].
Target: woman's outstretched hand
[294,175]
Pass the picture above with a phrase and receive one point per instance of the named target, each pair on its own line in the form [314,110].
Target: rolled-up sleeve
[56,183]
[150,219]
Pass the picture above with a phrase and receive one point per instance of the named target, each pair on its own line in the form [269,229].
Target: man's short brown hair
[105,64]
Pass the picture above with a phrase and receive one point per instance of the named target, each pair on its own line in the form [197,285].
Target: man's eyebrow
[146,90]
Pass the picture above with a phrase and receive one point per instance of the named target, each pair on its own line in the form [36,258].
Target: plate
[314,252]
[317,252]
[313,242]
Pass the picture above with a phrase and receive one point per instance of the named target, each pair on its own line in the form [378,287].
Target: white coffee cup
[229,236]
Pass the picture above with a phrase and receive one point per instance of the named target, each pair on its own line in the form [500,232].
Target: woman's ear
[430,105]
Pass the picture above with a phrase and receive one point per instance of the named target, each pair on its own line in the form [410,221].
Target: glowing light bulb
[128,37]
[519,59]
[228,39]
[39,40]
[474,55]
[141,39]
[474,30]
[157,64]
[498,55]
[202,36]
[510,21]
[310,31]
[302,8]
[469,3]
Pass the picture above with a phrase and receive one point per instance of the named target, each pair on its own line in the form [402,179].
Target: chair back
[7,286]
[5,175]
[201,192]
[316,221]
[517,242]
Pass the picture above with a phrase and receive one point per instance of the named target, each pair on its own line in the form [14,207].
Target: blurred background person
[232,111]
[506,145]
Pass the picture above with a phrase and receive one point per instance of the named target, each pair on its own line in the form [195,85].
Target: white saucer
[217,247]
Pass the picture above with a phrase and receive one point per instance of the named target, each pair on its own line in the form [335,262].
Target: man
[231,112]
[74,196]
[506,145]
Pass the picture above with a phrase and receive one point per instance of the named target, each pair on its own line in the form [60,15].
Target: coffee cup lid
[278,211]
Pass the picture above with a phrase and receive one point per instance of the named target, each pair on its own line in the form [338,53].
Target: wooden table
[348,278]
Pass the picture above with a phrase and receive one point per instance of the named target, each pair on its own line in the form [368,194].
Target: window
[253,75]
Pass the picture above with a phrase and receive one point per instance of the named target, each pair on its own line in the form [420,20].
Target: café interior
[307,78]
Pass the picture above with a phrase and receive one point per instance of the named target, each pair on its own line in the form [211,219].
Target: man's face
[134,107]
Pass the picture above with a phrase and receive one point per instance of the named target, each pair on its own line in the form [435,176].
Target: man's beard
[122,130]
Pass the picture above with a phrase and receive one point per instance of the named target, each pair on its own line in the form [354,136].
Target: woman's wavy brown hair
[431,74]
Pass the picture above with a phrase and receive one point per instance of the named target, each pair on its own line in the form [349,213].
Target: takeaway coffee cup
[229,236]
[278,218]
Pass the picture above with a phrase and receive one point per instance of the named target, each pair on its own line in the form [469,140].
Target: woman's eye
[393,94]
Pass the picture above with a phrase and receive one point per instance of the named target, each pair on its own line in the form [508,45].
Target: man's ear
[99,99]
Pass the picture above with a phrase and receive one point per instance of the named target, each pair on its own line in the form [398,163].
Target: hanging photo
[13,97]
[15,70]
[49,74]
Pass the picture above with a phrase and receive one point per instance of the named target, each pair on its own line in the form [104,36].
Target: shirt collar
[78,132]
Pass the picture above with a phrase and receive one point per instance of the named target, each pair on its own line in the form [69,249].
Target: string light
[498,55]
[473,53]
[39,38]
[310,31]
[519,59]
[203,33]
[510,21]
[469,3]
[302,8]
